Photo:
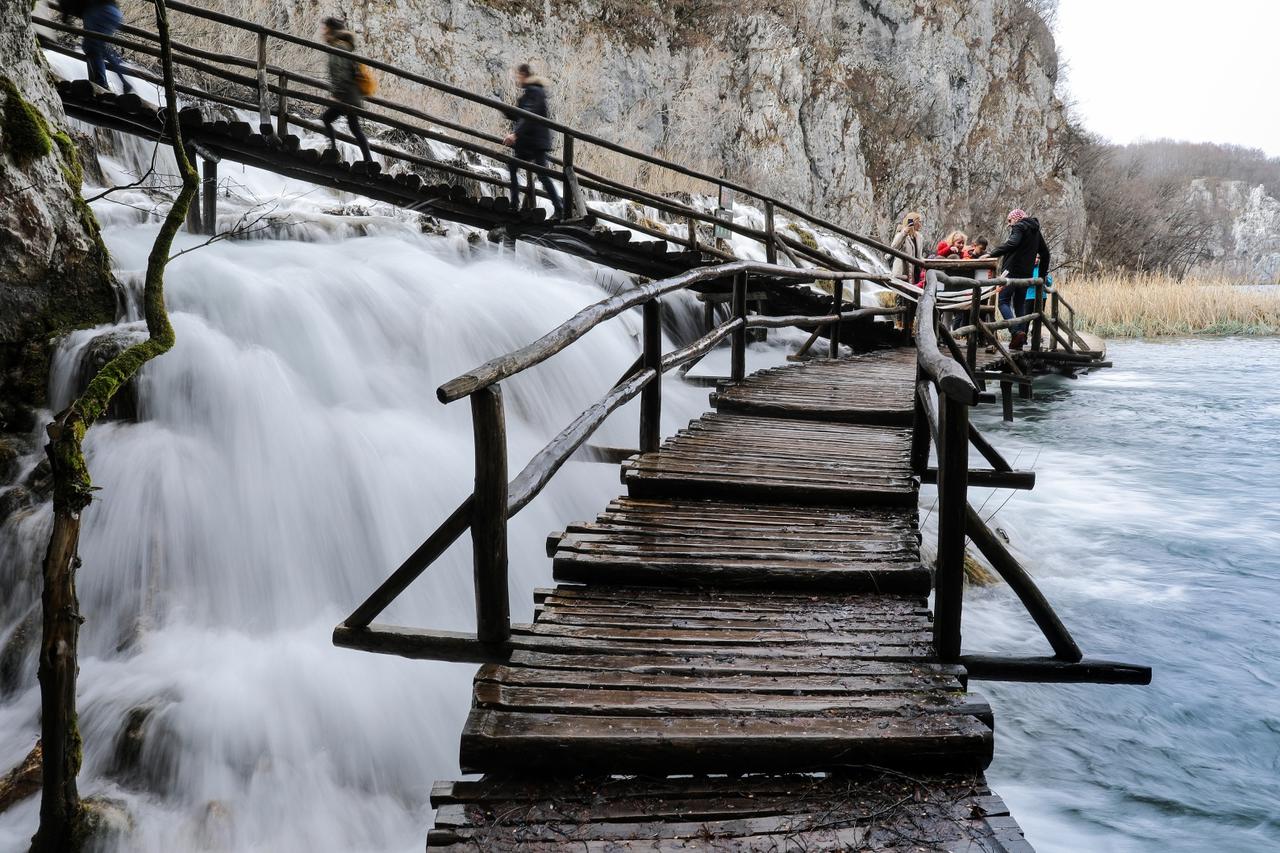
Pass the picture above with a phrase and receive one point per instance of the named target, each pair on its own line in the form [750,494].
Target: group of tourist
[1024,254]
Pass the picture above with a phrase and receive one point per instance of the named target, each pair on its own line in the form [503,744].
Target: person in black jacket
[531,139]
[1020,251]
[104,17]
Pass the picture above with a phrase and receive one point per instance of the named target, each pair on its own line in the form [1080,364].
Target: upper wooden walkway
[755,605]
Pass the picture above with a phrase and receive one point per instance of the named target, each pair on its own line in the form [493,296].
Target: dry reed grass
[1126,305]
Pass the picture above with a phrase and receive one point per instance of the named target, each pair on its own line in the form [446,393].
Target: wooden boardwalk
[739,655]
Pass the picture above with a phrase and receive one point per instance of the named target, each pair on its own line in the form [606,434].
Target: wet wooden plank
[497,741]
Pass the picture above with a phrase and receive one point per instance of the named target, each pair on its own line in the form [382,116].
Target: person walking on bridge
[529,138]
[343,86]
[1019,251]
[101,17]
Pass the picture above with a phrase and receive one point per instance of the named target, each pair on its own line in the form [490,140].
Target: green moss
[26,136]
[71,167]
[804,235]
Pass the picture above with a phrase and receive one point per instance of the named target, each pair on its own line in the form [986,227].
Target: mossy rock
[26,136]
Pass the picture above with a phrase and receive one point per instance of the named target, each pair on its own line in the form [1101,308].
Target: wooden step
[707,543]
[750,459]
[873,388]
[635,680]
[857,810]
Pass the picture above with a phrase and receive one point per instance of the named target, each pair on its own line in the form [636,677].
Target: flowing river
[1154,529]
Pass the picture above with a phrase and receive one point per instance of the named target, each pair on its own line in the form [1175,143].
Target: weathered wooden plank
[502,741]
[885,682]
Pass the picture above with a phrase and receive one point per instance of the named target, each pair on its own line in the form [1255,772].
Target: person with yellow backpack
[349,82]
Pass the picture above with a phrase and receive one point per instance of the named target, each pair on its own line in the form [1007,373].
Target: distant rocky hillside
[1183,207]
[1244,238]
[860,110]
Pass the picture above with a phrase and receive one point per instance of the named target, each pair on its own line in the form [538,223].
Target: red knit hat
[1017,215]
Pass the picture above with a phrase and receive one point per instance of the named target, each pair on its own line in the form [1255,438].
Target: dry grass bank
[1126,305]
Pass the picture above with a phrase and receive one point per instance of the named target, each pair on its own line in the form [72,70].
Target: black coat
[532,135]
[1020,250]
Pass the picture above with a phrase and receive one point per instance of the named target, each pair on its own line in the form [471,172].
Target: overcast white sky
[1185,69]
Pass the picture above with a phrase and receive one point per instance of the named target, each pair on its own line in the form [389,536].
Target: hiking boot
[1019,341]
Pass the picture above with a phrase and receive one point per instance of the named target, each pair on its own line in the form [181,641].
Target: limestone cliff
[54,272]
[858,109]
[1244,228]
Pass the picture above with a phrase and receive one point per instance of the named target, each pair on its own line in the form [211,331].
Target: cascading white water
[289,453]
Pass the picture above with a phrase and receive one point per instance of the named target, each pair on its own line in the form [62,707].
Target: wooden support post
[575,204]
[857,294]
[738,368]
[1007,566]
[651,396]
[209,194]
[1037,323]
[953,475]
[920,435]
[771,240]
[530,194]
[264,95]
[1006,401]
[838,306]
[489,516]
[282,108]
[971,345]
[693,233]
[194,225]
[1024,390]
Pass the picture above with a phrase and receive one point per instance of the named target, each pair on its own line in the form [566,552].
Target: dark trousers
[537,158]
[353,121]
[104,18]
[1013,303]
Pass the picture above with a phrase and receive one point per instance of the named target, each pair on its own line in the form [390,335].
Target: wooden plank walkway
[755,605]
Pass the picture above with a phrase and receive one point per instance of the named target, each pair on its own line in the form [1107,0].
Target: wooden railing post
[738,364]
[837,291]
[282,107]
[1037,323]
[651,396]
[264,96]
[920,435]
[953,474]
[693,233]
[857,294]
[575,204]
[489,516]
[209,195]
[771,240]
[1053,341]
[531,194]
[975,315]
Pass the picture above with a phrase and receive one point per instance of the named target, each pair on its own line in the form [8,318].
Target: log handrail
[951,378]
[505,366]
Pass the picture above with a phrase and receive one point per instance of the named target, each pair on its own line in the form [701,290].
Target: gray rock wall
[54,272]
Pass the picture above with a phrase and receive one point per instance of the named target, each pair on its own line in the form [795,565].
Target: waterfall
[287,454]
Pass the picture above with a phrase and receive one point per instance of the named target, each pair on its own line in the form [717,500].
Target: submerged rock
[22,781]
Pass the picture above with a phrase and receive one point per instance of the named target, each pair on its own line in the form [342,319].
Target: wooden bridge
[740,652]
[470,187]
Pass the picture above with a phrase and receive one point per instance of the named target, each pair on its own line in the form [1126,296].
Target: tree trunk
[61,813]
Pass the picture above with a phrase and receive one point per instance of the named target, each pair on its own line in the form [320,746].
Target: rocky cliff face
[1244,228]
[54,273]
[859,110]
